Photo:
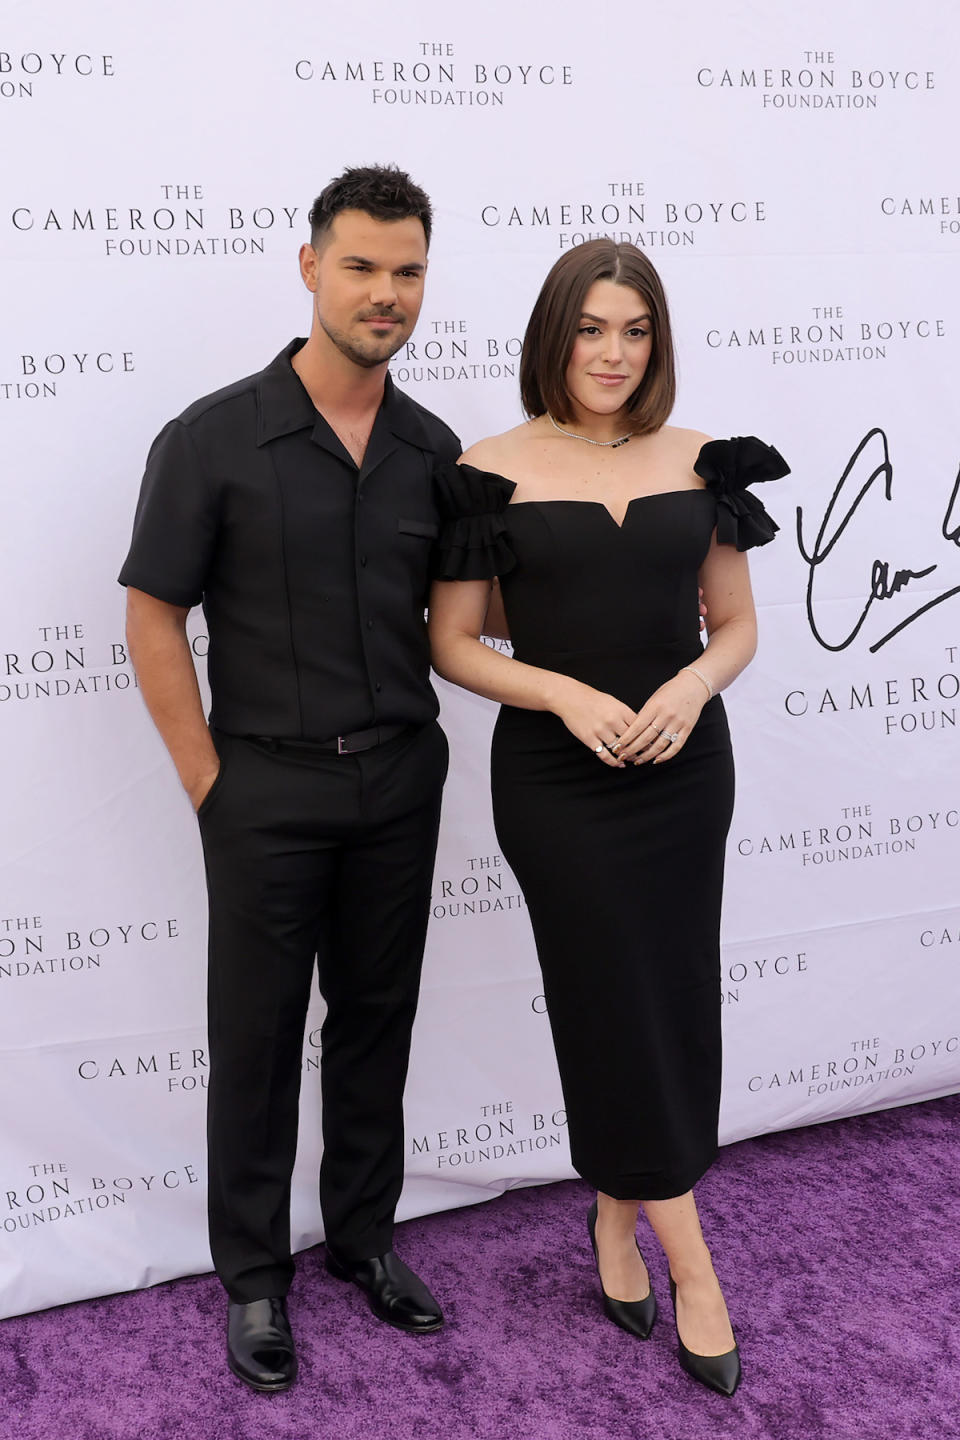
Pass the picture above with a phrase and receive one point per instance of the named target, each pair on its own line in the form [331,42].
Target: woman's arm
[457,611]
[732,622]
[675,708]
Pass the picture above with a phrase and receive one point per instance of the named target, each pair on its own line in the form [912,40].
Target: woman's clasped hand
[619,736]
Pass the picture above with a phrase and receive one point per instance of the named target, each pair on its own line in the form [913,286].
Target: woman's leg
[702,1318]
[623,1274]
[701,1312]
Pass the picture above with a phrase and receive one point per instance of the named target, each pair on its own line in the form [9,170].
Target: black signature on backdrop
[869,464]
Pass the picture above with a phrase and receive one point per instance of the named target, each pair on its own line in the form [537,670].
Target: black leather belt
[341,744]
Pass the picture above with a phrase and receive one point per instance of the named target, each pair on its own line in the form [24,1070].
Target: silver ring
[672,738]
[599,748]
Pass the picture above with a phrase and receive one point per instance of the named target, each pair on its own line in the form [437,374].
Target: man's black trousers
[313,856]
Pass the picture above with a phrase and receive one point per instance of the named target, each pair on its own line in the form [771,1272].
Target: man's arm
[495,625]
[158,646]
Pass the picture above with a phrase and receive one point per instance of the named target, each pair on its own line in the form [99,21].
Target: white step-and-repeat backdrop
[792,171]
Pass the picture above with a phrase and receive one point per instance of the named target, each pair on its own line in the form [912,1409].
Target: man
[297,505]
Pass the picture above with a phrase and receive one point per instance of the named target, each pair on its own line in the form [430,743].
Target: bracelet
[700,676]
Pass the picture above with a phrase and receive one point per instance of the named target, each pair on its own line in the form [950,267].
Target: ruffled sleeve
[729,466]
[472,543]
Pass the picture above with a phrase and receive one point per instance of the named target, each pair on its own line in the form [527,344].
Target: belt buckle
[343,747]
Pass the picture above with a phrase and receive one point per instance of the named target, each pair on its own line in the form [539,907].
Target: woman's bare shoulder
[685,444]
[497,452]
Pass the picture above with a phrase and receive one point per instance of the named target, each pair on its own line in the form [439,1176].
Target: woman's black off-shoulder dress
[622,870]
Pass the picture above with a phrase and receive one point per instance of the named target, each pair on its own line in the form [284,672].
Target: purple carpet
[838,1246]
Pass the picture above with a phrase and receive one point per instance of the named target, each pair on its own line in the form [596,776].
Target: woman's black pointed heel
[718,1372]
[634,1316]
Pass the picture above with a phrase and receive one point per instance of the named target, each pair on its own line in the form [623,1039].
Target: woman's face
[612,348]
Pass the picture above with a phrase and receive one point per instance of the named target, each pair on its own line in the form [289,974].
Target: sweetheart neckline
[652,495]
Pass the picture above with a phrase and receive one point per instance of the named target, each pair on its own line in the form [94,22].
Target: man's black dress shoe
[634,1316]
[393,1292]
[718,1372]
[260,1349]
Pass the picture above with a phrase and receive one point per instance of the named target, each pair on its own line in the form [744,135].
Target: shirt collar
[402,417]
[284,406]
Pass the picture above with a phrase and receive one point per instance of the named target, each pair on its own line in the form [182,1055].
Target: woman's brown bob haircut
[552,330]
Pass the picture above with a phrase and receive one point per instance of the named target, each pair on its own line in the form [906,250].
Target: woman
[612,770]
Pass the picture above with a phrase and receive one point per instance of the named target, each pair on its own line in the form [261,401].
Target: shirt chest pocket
[423,529]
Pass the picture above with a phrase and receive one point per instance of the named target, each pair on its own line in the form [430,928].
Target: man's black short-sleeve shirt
[313,574]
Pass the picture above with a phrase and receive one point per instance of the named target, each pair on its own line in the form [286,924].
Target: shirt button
[363,559]
[369,624]
[378,687]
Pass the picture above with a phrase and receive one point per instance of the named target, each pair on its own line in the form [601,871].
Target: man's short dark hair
[383,191]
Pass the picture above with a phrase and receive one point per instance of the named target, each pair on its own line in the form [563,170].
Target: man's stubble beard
[364,358]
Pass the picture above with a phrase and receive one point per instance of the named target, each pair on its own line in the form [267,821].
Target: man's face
[367,279]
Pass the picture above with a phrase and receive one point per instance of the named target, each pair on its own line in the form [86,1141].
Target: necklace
[571,435]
